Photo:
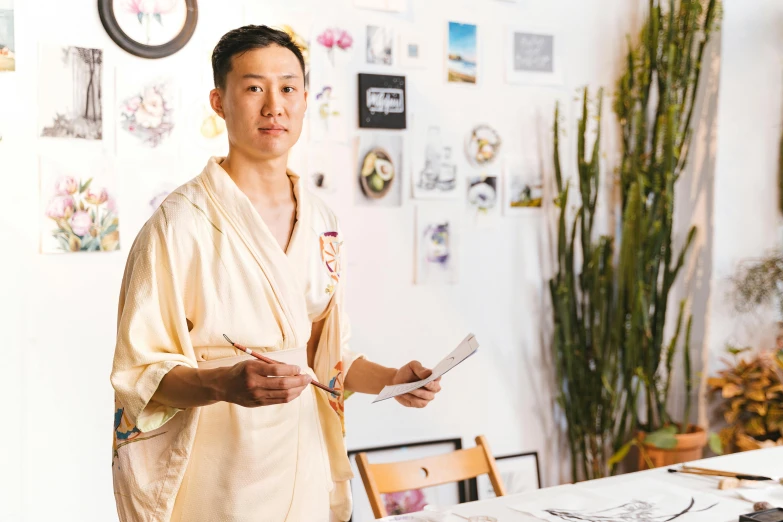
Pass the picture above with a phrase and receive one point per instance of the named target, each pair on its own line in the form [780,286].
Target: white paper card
[466,348]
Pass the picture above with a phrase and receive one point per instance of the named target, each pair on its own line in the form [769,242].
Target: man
[204,432]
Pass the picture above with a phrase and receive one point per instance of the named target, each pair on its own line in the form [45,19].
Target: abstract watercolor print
[436,245]
[70,87]
[79,208]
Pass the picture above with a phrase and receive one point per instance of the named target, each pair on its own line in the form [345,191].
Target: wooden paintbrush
[272,361]
[716,473]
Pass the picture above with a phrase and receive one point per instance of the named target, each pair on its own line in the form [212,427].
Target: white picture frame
[534,56]
[462,38]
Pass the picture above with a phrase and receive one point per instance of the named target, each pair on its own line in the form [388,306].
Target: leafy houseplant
[587,359]
[611,358]
[751,400]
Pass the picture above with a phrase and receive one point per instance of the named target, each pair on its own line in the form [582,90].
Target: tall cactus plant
[584,304]
[655,104]
[612,360]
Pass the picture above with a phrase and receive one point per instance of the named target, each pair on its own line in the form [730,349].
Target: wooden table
[767,462]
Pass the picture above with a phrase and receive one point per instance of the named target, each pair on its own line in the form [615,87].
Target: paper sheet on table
[465,349]
[641,500]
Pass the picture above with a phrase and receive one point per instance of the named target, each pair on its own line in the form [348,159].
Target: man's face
[263,102]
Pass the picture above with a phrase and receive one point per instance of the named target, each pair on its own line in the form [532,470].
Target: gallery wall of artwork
[436,177]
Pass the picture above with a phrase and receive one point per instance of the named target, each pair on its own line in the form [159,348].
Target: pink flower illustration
[81,222]
[335,37]
[96,197]
[66,185]
[60,207]
[326,38]
[404,502]
[345,40]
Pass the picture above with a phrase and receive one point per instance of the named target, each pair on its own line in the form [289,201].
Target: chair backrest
[426,472]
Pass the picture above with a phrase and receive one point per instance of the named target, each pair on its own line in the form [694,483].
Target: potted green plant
[749,392]
[655,102]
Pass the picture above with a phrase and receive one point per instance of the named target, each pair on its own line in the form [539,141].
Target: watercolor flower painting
[149,115]
[84,217]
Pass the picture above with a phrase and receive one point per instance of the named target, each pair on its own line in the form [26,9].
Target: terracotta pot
[690,446]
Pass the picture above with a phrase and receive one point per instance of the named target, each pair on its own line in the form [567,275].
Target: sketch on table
[636,510]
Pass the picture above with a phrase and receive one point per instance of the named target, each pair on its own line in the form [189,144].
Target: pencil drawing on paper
[636,510]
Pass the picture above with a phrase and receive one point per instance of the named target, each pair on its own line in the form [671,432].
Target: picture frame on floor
[520,473]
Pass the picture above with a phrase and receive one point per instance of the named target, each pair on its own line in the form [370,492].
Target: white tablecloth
[767,462]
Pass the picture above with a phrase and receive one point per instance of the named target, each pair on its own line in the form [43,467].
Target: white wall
[58,313]
[749,116]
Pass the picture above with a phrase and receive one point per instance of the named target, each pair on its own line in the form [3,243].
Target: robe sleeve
[152,331]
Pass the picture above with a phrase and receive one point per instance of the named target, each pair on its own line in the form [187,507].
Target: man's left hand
[412,372]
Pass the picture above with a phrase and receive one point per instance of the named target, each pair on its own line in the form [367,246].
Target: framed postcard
[519,473]
[413,500]
[534,56]
[382,101]
[462,53]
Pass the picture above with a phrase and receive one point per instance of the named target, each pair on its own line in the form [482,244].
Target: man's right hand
[256,383]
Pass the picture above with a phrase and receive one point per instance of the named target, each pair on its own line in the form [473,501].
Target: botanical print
[151,22]
[462,53]
[70,87]
[148,114]
[380,45]
[333,40]
[483,194]
[404,502]
[327,109]
[380,169]
[435,171]
[436,245]
[79,209]
[483,145]
[212,125]
[7,46]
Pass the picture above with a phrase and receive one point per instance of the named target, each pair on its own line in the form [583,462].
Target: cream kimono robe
[205,265]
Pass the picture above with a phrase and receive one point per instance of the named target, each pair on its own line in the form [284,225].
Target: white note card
[466,348]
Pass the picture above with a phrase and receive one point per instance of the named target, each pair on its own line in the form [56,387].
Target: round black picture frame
[109,21]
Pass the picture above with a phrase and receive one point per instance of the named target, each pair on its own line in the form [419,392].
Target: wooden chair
[426,472]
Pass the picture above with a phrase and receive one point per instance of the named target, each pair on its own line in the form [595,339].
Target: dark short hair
[243,39]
